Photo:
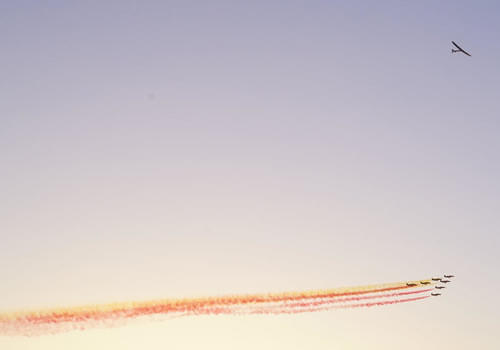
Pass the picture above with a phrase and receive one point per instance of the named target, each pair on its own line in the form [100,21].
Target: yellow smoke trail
[54,320]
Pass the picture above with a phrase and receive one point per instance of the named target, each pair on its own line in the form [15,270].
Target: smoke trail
[230,311]
[321,304]
[330,301]
[60,320]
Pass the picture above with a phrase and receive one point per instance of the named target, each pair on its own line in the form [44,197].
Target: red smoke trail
[53,321]
[380,303]
[328,301]
[180,306]
[278,311]
[280,308]
[54,328]
[359,298]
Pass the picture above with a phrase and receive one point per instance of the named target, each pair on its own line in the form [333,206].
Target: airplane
[459,49]
[425,282]
[449,276]
[436,279]
[411,284]
[445,281]
[439,287]
[435,294]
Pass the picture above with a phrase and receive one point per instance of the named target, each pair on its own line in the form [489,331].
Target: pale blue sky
[175,148]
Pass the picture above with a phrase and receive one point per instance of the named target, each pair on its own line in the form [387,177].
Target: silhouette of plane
[459,49]
[445,281]
[425,282]
[436,279]
[435,294]
[411,284]
[449,276]
[439,287]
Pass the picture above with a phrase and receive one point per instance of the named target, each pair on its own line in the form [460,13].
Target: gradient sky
[155,149]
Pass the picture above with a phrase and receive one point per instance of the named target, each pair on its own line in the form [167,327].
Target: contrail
[50,321]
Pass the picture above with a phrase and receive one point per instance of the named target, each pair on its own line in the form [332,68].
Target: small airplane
[449,276]
[435,294]
[411,284]
[445,281]
[439,287]
[459,49]
[436,279]
[425,282]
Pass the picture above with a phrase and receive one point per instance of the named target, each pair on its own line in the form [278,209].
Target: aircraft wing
[462,50]
[456,45]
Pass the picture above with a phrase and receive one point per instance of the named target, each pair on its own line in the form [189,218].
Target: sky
[154,149]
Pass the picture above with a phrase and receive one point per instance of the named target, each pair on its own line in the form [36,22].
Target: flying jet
[436,279]
[449,276]
[435,294]
[411,284]
[445,281]
[459,49]
[425,282]
[439,287]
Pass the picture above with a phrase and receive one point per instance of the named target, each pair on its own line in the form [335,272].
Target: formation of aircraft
[446,279]
[433,281]
[459,49]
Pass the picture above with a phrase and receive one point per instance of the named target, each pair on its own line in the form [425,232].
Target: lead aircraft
[459,49]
